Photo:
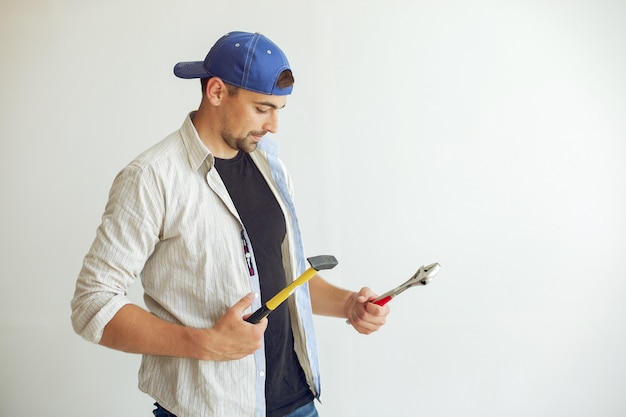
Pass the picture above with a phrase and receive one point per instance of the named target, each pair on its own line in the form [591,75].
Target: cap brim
[194,69]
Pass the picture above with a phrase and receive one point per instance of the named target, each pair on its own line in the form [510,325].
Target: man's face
[247,116]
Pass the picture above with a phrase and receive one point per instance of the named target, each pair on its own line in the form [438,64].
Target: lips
[257,136]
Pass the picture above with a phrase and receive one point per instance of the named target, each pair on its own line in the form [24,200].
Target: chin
[248,148]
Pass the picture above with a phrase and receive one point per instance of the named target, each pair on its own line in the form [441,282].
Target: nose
[271,124]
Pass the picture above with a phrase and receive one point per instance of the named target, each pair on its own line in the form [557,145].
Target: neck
[205,123]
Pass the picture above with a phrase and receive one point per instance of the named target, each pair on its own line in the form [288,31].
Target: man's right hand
[232,337]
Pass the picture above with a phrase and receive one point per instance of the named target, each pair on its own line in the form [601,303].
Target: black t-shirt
[286,388]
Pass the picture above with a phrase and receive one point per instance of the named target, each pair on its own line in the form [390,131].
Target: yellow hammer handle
[276,300]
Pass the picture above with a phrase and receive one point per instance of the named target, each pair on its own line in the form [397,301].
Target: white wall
[489,136]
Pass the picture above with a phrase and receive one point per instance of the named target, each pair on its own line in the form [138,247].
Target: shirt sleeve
[130,229]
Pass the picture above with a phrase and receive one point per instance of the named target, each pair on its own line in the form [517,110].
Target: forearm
[135,330]
[329,300]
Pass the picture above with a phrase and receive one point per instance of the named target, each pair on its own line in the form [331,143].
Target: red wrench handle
[382,301]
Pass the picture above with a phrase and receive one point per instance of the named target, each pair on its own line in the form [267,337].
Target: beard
[245,144]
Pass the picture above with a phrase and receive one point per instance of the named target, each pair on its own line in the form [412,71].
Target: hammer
[317,264]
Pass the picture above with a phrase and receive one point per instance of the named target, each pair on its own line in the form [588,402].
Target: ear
[215,91]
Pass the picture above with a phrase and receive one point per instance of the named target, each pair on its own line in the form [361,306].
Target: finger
[374,315]
[376,310]
[361,299]
[365,327]
[242,305]
[245,318]
[366,295]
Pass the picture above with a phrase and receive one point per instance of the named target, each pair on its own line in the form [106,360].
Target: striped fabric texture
[170,223]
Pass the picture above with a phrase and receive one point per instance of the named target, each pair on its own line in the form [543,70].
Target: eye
[261,110]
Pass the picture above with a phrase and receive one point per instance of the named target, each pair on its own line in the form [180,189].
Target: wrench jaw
[428,273]
[423,276]
[431,270]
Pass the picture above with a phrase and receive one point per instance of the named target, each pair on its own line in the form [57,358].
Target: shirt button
[261,373]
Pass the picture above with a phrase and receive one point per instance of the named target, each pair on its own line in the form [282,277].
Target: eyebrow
[269,104]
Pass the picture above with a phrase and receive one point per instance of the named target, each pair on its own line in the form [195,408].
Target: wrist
[195,342]
[350,304]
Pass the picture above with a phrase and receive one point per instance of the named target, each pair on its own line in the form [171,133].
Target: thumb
[243,304]
[365,295]
[361,299]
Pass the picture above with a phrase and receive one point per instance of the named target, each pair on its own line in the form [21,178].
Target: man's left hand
[365,316]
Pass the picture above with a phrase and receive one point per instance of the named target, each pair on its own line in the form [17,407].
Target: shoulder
[169,150]
[150,172]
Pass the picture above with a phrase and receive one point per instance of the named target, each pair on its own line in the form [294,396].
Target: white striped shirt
[170,221]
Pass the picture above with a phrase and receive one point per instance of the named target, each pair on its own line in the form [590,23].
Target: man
[206,220]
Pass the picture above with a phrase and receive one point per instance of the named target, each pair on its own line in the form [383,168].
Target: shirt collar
[196,150]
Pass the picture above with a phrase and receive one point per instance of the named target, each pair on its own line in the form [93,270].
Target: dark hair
[285,79]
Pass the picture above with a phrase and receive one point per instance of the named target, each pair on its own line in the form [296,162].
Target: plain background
[488,136]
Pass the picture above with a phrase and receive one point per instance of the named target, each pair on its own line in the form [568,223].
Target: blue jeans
[304,411]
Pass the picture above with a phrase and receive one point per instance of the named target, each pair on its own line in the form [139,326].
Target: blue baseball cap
[247,60]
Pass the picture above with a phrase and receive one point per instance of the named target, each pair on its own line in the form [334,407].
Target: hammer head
[322,262]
